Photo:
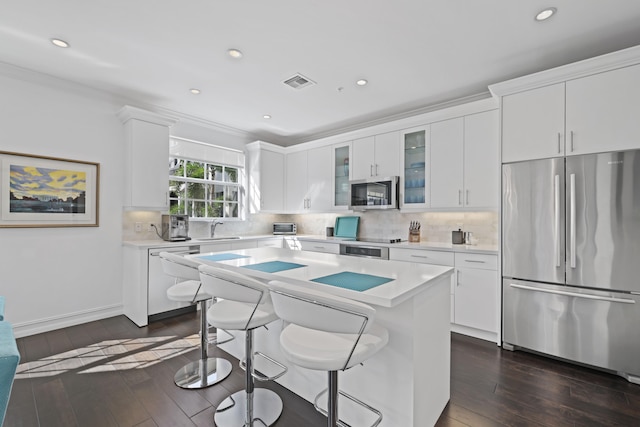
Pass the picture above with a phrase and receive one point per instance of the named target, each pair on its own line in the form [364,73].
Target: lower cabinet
[476,291]
[276,242]
[474,288]
[326,247]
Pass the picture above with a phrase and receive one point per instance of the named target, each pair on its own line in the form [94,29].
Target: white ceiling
[415,53]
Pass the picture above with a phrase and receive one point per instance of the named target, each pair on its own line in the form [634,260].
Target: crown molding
[587,67]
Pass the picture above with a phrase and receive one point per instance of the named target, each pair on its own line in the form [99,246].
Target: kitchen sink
[209,239]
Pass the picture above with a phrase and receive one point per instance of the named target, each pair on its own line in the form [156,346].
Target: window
[203,189]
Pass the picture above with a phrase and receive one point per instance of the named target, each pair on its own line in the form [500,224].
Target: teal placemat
[346,226]
[353,281]
[222,257]
[273,266]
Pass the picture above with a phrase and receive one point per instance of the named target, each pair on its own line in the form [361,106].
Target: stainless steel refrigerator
[571,259]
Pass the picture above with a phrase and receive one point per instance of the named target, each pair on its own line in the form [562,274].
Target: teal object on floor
[9,359]
[353,281]
[222,257]
[273,266]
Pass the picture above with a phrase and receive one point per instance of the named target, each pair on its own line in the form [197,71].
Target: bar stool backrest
[179,266]
[232,286]
[319,310]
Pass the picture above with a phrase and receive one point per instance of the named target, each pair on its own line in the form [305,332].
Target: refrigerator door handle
[573,294]
[572,219]
[556,193]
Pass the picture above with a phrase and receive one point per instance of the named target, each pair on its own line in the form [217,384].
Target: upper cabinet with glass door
[415,180]
[341,174]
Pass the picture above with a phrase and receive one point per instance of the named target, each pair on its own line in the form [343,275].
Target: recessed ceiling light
[546,13]
[234,53]
[361,82]
[266,116]
[195,91]
[59,43]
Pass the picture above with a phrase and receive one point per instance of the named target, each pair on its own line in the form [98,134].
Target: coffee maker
[175,227]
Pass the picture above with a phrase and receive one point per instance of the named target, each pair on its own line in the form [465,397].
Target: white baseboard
[476,333]
[38,326]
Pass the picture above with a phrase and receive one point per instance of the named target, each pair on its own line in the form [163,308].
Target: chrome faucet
[213,227]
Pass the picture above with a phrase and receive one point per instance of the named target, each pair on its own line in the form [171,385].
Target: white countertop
[409,279]
[158,243]
[437,246]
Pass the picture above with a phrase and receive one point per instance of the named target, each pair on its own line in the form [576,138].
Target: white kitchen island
[408,380]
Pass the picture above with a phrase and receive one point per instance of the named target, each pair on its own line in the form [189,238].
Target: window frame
[231,191]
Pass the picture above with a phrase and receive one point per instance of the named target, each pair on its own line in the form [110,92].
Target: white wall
[55,277]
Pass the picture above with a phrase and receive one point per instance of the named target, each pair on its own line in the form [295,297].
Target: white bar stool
[244,306]
[205,371]
[327,333]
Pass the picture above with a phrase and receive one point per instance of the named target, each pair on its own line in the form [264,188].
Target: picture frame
[43,191]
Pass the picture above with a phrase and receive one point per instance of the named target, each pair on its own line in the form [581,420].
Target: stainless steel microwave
[374,193]
[285,228]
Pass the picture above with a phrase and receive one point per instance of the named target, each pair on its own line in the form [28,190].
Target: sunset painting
[41,190]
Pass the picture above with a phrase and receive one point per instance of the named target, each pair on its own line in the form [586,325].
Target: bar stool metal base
[202,373]
[267,407]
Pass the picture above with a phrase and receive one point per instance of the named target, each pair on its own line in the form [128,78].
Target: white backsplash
[436,226]
[256,224]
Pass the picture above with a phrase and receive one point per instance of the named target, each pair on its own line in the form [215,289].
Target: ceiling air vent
[299,81]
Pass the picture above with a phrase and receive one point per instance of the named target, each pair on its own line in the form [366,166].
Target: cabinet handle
[460,197]
[572,141]
[572,219]
[457,277]
[308,203]
[420,256]
[376,169]
[467,197]
[371,170]
[559,142]
[475,260]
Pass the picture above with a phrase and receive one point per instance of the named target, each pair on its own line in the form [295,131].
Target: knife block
[414,236]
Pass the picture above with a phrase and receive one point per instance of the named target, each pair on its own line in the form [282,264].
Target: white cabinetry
[308,180]
[314,246]
[275,242]
[146,163]
[602,112]
[376,156]
[423,256]
[474,288]
[533,124]
[145,285]
[481,164]
[415,167]
[584,115]
[476,291]
[447,150]
[265,177]
[341,172]
[464,162]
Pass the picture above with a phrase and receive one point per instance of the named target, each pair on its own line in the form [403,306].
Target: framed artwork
[40,191]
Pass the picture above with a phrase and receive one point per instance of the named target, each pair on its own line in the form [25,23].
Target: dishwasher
[158,305]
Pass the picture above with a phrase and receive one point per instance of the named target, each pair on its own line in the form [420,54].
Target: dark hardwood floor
[112,373]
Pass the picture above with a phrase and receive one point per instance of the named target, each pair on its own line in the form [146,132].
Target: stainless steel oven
[376,252]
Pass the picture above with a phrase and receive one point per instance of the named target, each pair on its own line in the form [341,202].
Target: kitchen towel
[222,257]
[353,281]
[273,266]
